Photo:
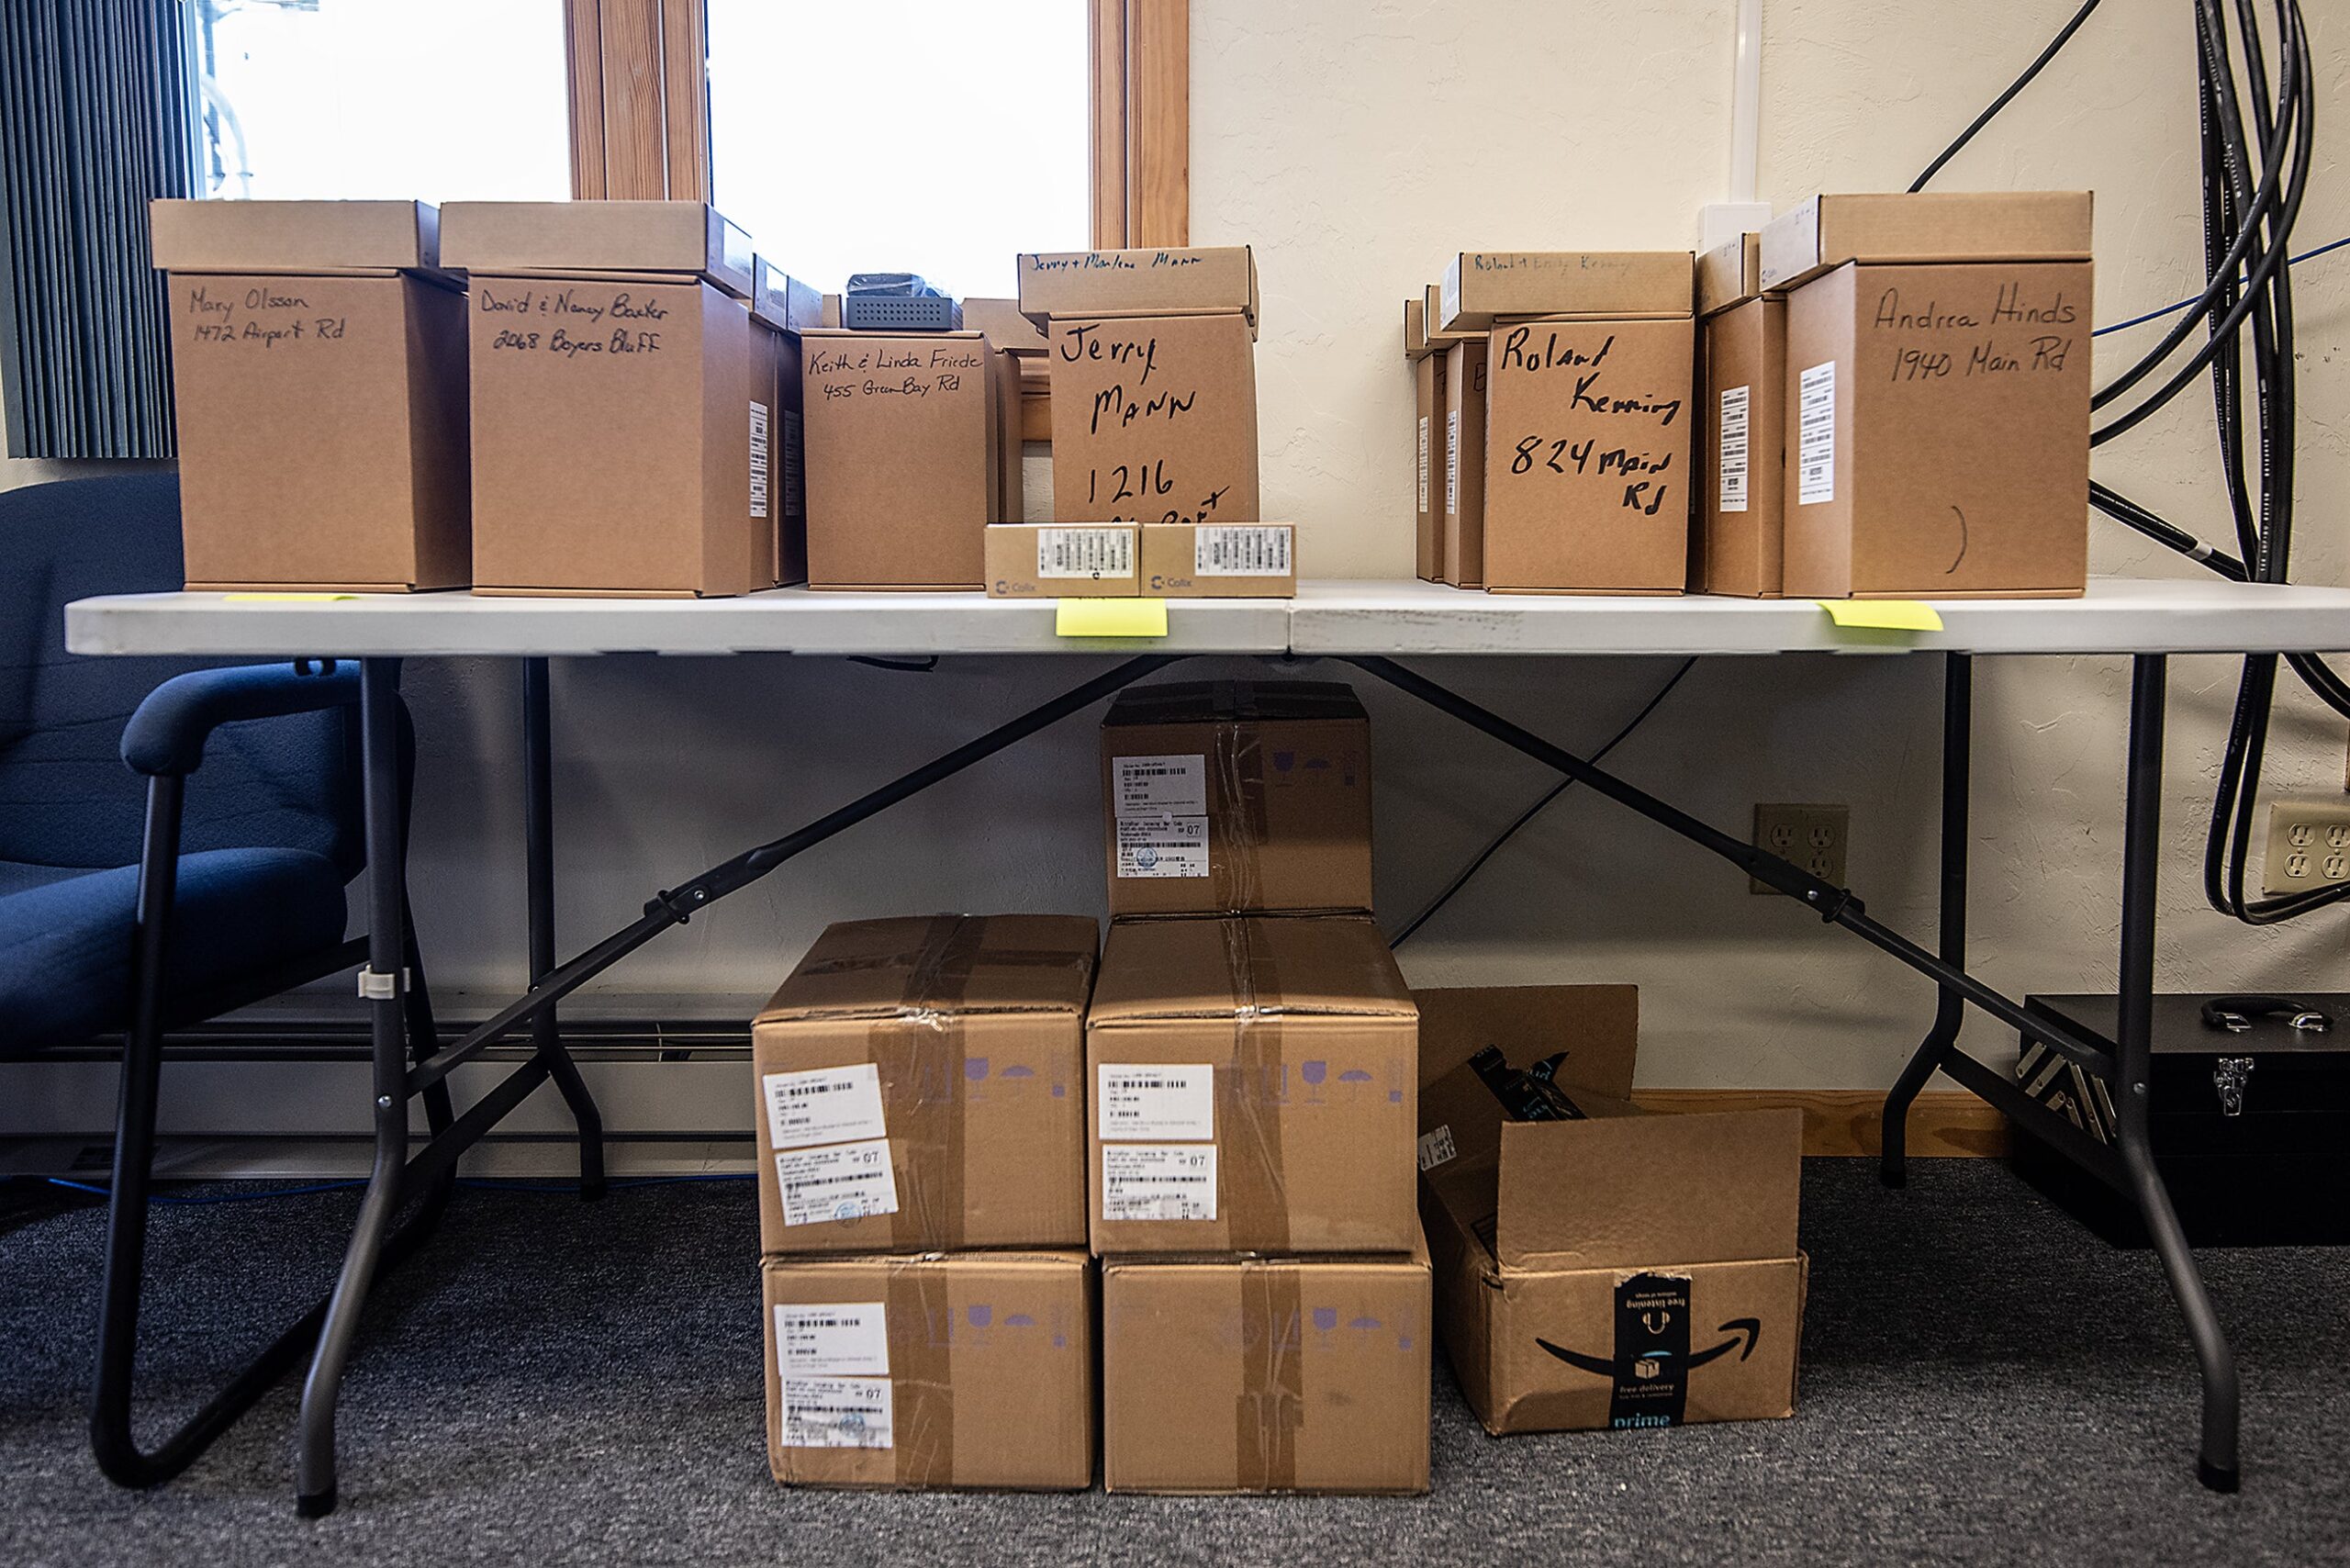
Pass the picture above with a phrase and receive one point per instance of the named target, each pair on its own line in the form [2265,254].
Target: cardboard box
[1253,1084]
[1232,560]
[1481,287]
[1730,274]
[1623,1272]
[919,1084]
[1465,407]
[1211,280]
[1587,456]
[1266,1374]
[319,374]
[641,241]
[1939,431]
[1740,540]
[905,457]
[1925,225]
[623,439]
[785,308]
[961,1369]
[1100,560]
[1227,797]
[1154,419]
[1427,363]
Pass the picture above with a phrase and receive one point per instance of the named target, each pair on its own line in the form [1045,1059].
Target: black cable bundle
[2252,195]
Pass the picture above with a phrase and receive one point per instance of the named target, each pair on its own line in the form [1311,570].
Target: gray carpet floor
[548,1382]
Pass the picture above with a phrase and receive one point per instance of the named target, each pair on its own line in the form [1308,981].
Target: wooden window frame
[640,121]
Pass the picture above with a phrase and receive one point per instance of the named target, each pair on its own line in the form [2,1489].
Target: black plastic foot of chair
[2217,1478]
[314,1505]
[1893,1175]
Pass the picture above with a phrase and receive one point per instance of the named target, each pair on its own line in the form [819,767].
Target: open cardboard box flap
[1634,1192]
[1597,1025]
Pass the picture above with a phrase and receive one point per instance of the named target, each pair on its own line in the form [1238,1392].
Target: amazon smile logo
[1649,1367]
[1743,1333]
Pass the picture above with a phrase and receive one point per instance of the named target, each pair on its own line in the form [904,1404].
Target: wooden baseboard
[1846,1122]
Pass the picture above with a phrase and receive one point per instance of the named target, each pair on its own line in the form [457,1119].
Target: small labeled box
[1739,546]
[1230,797]
[1465,404]
[318,375]
[930,1370]
[1226,560]
[1484,287]
[624,400]
[1154,419]
[1266,1374]
[920,1086]
[1253,1086]
[1028,560]
[909,457]
[1427,358]
[1194,280]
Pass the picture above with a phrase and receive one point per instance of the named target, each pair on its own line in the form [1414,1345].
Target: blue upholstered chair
[207,874]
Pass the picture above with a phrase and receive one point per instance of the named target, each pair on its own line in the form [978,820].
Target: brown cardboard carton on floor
[1154,419]
[1587,456]
[1227,795]
[1220,560]
[1253,1084]
[920,1086]
[319,372]
[1483,288]
[905,458]
[1031,560]
[1939,438]
[1266,1374]
[1465,407]
[1623,1272]
[1740,545]
[1197,280]
[958,1368]
[1925,225]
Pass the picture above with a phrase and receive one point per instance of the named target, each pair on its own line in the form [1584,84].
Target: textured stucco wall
[1355,144]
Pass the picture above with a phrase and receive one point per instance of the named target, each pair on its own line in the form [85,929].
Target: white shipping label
[825,1105]
[1241,550]
[1159,1181]
[1436,1149]
[1733,448]
[1154,1100]
[1162,847]
[1158,785]
[841,1339]
[837,1413]
[795,484]
[1424,463]
[1452,460]
[848,1180]
[1092,553]
[1816,435]
[758,460]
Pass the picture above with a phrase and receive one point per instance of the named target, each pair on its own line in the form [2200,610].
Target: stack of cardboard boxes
[1251,1057]
[1155,481]
[929,1299]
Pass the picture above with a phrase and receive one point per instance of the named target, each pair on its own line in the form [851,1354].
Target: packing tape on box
[1249,1134]
[1242,770]
[922,1329]
[928,1037]
[1110,618]
[1882,614]
[1271,1404]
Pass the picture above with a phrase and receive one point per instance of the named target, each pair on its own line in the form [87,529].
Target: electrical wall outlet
[2309,845]
[1811,836]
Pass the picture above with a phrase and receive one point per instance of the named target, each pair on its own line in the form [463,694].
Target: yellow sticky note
[1110,618]
[1884,614]
[287,598]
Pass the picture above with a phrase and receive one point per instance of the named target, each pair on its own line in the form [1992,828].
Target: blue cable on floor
[479,1184]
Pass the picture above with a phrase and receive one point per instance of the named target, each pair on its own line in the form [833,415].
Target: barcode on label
[1452,460]
[1159,1100]
[1424,463]
[1158,1181]
[1085,552]
[837,1339]
[1435,1148]
[795,486]
[825,1105]
[1243,550]
[1816,435]
[837,1413]
[1733,448]
[758,460]
[849,1180]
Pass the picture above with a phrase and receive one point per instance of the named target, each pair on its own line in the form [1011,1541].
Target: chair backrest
[66,797]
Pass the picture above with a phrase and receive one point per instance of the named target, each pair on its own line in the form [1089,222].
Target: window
[442,100]
[939,136]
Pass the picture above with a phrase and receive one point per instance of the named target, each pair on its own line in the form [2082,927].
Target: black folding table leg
[2141,853]
[383,982]
[538,837]
[1950,1008]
